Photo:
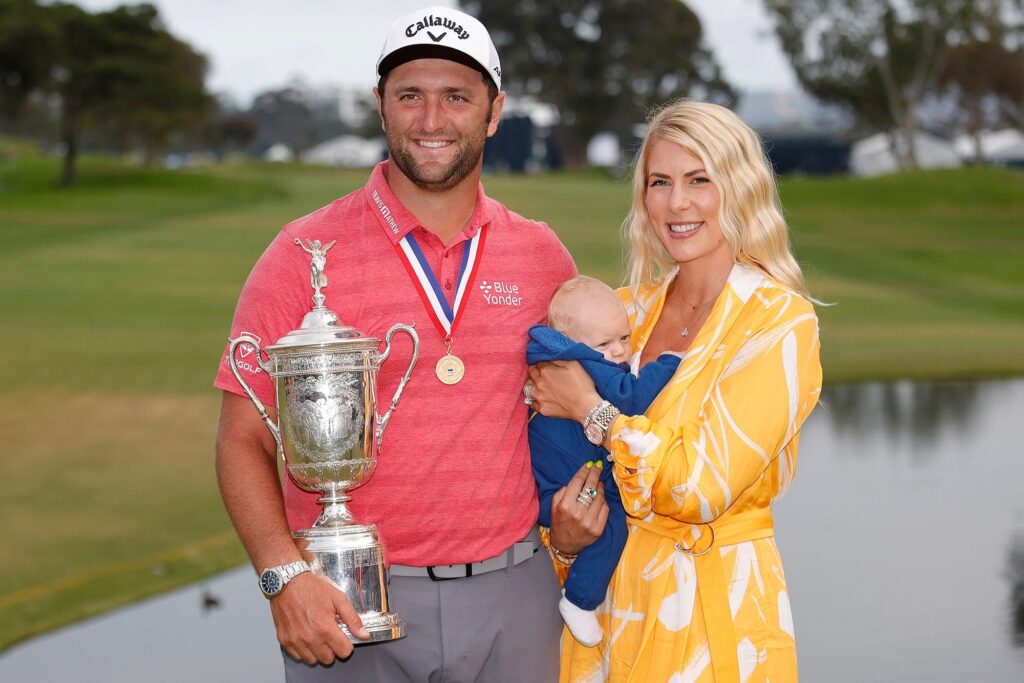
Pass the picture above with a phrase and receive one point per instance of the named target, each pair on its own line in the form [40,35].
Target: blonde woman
[699,594]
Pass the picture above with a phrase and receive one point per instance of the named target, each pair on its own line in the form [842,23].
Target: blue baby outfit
[559,448]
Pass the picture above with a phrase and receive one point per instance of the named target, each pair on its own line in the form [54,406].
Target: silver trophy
[329,433]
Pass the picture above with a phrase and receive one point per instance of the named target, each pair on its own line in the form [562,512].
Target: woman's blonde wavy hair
[749,209]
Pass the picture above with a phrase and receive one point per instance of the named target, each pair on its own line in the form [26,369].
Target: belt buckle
[435,577]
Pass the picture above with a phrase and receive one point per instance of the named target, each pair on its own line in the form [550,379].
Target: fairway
[116,297]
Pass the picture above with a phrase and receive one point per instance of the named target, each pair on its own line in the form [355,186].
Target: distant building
[790,112]
[523,142]
[807,153]
[800,134]
[511,147]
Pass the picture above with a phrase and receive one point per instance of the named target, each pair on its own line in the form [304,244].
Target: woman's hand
[574,525]
[563,389]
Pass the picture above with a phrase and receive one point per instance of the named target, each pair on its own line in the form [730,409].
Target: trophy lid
[321,325]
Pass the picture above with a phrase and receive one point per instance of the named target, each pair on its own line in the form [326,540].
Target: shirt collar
[397,221]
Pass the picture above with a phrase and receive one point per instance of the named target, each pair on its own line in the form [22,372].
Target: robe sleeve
[693,468]
[561,569]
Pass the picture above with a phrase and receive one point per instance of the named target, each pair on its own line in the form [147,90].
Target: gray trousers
[499,627]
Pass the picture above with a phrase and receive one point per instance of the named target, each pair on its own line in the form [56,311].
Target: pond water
[903,540]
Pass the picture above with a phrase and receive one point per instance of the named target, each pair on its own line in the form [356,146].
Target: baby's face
[604,327]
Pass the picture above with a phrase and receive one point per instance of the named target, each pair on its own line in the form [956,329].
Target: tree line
[119,73]
[121,78]
[883,60]
[604,63]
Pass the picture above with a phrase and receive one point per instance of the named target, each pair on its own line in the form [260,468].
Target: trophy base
[352,558]
[381,627]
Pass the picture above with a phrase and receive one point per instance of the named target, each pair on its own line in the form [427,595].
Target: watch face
[595,434]
[270,582]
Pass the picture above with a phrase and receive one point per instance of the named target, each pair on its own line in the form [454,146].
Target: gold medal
[444,314]
[450,369]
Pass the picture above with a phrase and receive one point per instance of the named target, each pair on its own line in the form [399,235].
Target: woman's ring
[586,497]
[528,393]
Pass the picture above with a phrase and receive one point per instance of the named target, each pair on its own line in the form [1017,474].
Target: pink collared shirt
[453,481]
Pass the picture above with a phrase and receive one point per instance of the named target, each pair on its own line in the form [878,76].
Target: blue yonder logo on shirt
[498,293]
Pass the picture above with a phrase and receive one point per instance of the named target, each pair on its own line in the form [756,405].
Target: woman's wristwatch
[597,422]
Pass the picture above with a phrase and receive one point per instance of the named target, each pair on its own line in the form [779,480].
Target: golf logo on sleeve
[246,350]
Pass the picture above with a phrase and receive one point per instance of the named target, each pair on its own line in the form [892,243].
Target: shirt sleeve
[569,269]
[273,300]
[692,471]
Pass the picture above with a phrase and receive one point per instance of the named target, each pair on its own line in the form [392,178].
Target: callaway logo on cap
[440,32]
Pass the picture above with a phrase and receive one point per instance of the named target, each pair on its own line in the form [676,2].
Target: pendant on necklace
[686,331]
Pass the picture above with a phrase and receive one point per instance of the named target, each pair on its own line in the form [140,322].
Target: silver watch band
[605,417]
[291,570]
[594,412]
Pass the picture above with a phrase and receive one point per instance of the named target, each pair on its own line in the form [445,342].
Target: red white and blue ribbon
[445,316]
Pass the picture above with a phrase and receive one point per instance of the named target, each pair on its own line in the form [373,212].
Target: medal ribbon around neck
[445,317]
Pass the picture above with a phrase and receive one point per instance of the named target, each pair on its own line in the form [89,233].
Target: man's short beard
[468,156]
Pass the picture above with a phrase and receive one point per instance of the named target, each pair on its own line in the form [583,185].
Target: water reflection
[902,536]
[213,631]
[1015,572]
[919,409]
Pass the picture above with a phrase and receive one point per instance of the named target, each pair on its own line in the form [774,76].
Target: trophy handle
[246,339]
[382,422]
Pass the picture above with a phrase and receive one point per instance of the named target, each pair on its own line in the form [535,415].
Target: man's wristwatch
[274,579]
[596,425]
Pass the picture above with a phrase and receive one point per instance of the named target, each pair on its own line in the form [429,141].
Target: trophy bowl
[328,433]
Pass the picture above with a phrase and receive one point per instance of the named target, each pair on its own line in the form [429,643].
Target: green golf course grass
[116,296]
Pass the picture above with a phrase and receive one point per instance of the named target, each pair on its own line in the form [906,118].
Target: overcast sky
[254,45]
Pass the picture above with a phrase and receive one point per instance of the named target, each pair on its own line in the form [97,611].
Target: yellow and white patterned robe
[713,452]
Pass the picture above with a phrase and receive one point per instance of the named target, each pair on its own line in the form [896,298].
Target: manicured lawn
[116,297]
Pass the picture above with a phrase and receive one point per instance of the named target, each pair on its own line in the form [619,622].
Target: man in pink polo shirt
[453,495]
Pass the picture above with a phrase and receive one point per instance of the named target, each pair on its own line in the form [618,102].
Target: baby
[588,323]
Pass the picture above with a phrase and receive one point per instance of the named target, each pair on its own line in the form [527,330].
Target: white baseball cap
[440,32]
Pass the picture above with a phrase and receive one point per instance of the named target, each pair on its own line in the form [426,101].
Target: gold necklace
[697,310]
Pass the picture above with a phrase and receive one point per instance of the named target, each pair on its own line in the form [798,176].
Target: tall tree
[880,59]
[28,38]
[601,63]
[161,88]
[987,80]
[985,75]
[229,131]
[118,71]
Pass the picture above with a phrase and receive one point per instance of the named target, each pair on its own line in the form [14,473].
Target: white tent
[997,146]
[873,156]
[348,150]
[279,153]
[603,150]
